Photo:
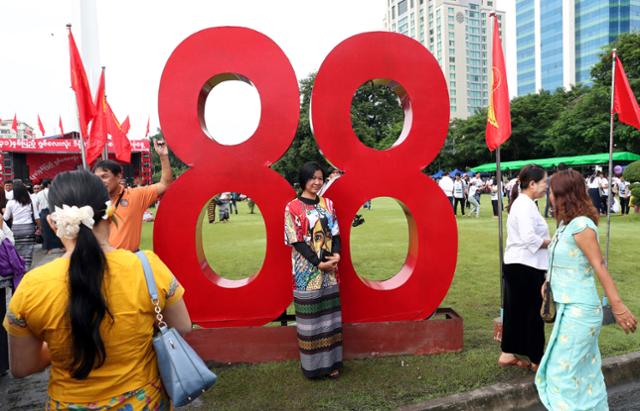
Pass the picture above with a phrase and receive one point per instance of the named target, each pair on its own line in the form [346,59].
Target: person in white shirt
[493,187]
[593,188]
[473,200]
[446,184]
[458,194]
[22,212]
[624,191]
[50,240]
[604,193]
[525,265]
[8,190]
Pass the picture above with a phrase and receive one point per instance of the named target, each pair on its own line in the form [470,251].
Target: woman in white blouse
[525,265]
[21,211]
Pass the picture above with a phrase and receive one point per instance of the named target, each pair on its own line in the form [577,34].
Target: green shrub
[632,172]
[635,195]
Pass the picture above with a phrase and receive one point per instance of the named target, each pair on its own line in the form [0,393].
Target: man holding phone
[131,203]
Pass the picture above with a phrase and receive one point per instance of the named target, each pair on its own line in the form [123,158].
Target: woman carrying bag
[570,375]
[88,314]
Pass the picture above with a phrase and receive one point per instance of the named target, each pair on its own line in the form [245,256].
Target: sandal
[334,374]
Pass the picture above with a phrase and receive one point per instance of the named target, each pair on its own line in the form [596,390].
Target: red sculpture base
[441,333]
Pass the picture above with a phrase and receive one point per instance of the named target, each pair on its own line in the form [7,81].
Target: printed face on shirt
[8,186]
[321,244]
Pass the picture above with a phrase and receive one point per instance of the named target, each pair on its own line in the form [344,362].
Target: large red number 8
[213,55]
[417,290]
[199,63]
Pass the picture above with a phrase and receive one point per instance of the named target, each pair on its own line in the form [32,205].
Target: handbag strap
[151,287]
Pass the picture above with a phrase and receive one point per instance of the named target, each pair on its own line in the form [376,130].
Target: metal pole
[609,194]
[105,150]
[500,229]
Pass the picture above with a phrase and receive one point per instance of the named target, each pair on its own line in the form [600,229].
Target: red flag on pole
[98,136]
[40,125]
[624,101]
[126,126]
[60,125]
[148,121]
[14,123]
[121,144]
[80,85]
[499,115]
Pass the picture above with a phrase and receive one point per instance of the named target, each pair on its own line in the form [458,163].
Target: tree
[177,166]
[376,118]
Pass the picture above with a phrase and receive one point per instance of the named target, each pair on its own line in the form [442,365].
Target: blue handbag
[184,375]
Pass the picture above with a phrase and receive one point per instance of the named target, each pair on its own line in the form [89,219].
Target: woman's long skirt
[570,375]
[319,325]
[594,194]
[523,328]
[25,236]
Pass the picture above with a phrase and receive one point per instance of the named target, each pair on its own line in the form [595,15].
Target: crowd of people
[88,314]
[465,189]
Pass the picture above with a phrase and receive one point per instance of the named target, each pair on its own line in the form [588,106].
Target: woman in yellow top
[88,314]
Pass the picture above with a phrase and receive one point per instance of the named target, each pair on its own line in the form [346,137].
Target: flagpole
[500,229]
[105,150]
[609,194]
[83,152]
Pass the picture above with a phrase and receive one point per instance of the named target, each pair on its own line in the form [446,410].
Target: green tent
[587,159]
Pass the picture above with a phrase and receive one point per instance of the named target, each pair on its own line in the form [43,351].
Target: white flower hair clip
[68,220]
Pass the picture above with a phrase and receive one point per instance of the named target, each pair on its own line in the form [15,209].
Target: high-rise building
[458,33]
[558,41]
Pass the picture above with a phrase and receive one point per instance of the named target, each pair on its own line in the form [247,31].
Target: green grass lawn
[237,249]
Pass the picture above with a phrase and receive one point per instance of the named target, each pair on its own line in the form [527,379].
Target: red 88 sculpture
[420,286]
[211,56]
[198,64]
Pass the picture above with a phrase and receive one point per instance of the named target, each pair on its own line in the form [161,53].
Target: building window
[450,10]
[452,59]
[402,7]
[393,12]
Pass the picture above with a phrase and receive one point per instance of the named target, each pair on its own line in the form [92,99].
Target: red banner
[47,166]
[60,145]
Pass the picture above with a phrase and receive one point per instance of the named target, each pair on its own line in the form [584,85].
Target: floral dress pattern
[570,375]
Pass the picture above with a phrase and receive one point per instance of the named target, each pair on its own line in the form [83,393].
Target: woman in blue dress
[570,376]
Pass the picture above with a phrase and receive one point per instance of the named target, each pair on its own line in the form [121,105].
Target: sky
[134,39]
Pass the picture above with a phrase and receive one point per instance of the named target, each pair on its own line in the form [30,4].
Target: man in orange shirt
[131,203]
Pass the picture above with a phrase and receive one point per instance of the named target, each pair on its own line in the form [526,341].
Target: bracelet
[615,313]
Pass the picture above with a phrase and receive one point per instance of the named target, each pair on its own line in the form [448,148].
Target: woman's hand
[330,265]
[542,288]
[624,318]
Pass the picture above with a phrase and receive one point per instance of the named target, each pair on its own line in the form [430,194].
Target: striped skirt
[319,325]
[25,236]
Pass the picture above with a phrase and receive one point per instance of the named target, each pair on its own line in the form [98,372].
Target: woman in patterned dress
[311,229]
[570,376]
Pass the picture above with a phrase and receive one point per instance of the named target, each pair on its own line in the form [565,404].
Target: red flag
[98,136]
[126,126]
[79,84]
[148,121]
[624,101]
[121,144]
[14,124]
[40,125]
[60,125]
[499,115]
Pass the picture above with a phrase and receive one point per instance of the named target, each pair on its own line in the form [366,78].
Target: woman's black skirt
[523,328]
